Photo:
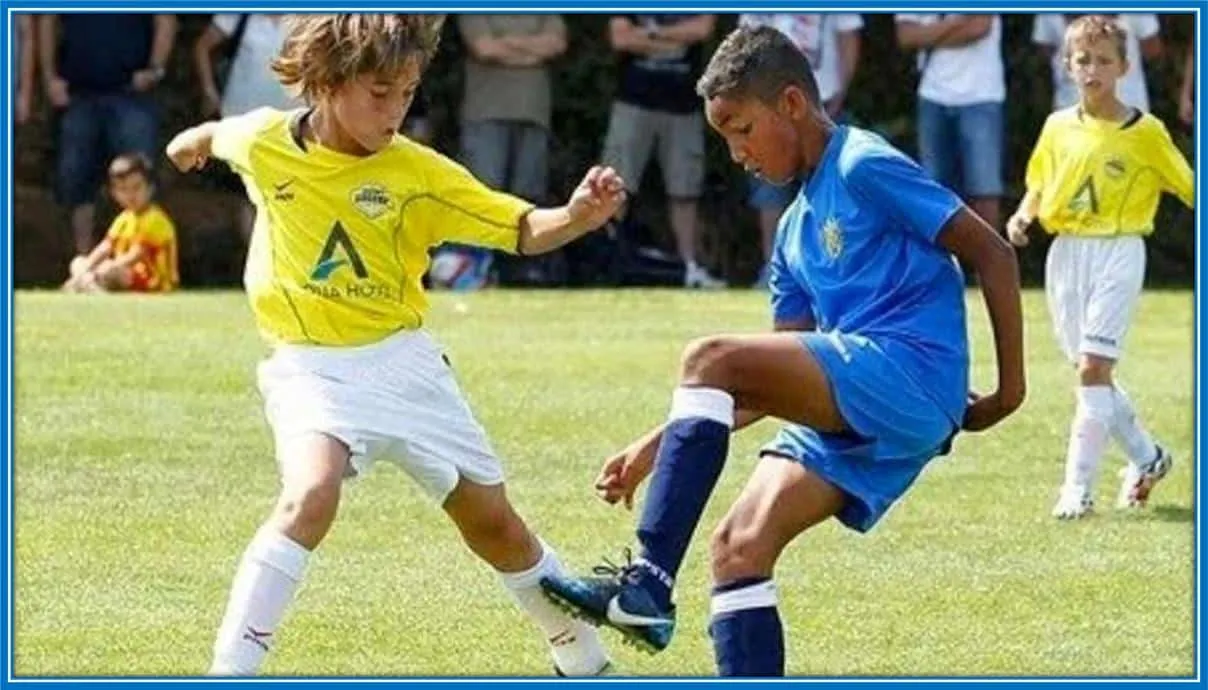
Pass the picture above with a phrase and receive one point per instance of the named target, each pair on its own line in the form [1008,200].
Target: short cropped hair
[1092,28]
[757,62]
[321,52]
[127,164]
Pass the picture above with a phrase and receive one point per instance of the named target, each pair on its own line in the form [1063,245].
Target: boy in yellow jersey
[1094,180]
[347,210]
[138,253]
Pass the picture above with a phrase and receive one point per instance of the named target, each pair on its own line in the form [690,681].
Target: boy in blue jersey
[869,365]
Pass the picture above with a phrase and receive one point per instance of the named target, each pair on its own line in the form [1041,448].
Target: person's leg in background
[529,179]
[980,127]
[681,147]
[627,148]
[938,143]
[484,151]
[79,168]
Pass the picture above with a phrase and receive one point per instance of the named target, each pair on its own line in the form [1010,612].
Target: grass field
[143,466]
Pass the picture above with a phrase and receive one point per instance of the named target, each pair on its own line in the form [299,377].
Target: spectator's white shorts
[396,400]
[1093,284]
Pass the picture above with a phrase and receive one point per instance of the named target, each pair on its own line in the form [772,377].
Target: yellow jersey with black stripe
[341,242]
[1098,178]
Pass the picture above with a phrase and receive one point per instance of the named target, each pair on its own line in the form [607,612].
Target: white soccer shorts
[1093,284]
[395,400]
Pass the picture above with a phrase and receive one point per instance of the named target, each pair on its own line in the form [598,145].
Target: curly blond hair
[321,52]
[1092,28]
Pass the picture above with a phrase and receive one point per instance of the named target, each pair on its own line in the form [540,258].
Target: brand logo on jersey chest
[1114,167]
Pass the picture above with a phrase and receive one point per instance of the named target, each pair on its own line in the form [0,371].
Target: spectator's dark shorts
[512,156]
[679,139]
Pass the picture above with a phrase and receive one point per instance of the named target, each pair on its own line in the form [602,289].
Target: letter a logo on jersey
[1085,199]
[328,261]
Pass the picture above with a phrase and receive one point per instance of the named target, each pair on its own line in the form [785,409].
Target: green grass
[143,466]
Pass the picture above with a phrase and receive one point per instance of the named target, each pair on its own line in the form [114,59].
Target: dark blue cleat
[613,598]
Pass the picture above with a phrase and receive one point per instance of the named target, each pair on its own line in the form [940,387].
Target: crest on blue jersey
[832,238]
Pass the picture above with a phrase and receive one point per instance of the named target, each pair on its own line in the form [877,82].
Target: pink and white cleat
[1139,481]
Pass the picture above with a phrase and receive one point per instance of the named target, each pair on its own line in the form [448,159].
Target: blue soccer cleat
[615,599]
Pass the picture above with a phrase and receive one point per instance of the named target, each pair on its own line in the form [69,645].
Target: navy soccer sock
[748,639]
[690,457]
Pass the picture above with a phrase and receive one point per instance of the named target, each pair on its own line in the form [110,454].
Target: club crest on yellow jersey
[372,200]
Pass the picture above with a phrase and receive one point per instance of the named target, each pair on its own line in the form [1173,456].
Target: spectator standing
[960,102]
[656,109]
[505,112]
[99,71]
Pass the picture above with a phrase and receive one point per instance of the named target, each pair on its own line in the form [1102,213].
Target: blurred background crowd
[527,102]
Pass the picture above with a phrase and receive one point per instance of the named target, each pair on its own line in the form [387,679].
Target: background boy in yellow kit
[1094,180]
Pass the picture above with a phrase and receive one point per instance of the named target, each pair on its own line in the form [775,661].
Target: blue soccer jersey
[857,252]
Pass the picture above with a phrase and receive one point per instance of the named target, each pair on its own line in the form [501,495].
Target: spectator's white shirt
[816,35]
[1049,30]
[251,84]
[963,75]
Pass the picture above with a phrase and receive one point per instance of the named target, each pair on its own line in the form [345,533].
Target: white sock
[1089,435]
[264,586]
[1127,430]
[575,646]
[709,403]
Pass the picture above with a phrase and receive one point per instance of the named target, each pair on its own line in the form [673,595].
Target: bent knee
[710,361]
[309,509]
[737,551]
[494,529]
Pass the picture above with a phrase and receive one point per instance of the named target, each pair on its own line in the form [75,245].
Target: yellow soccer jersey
[1098,178]
[341,242]
[152,232]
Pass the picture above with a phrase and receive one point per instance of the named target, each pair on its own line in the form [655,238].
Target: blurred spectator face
[763,139]
[371,108]
[131,191]
[1096,67]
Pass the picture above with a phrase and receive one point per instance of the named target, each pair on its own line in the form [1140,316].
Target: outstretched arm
[597,198]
